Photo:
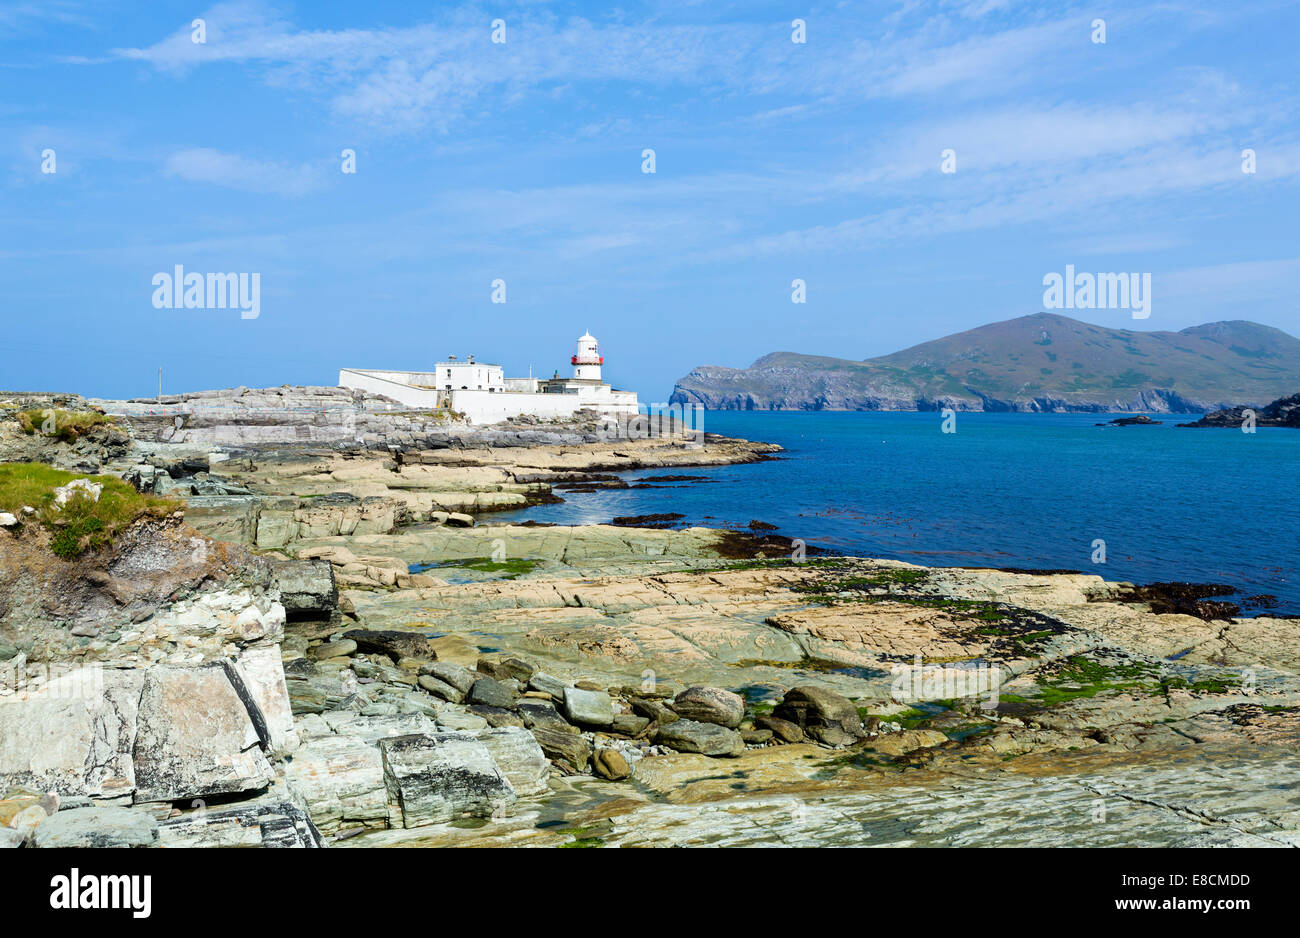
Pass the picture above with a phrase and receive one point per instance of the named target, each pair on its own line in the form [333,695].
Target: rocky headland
[1283,412]
[312,644]
[1043,363]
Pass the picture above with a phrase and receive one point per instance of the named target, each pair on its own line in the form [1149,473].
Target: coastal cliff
[1039,363]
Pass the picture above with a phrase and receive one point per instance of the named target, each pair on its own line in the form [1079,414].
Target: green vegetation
[65,425]
[1214,685]
[961,608]
[908,719]
[1080,676]
[512,568]
[882,579]
[763,563]
[82,523]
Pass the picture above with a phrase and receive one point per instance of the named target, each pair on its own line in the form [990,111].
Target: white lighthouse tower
[587,359]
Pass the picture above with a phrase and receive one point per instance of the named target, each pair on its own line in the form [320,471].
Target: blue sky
[523,161]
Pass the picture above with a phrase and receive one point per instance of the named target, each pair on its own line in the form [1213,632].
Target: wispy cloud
[403,79]
[205,165]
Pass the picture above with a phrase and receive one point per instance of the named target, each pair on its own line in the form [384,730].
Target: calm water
[1006,490]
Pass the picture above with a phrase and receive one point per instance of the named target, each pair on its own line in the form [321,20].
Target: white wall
[489,407]
[394,384]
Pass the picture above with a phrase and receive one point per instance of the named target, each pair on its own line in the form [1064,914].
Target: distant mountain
[1042,362]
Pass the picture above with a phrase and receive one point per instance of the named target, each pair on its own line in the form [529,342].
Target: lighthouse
[483,395]
[587,359]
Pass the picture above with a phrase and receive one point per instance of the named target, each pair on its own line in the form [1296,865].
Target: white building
[484,395]
[469,375]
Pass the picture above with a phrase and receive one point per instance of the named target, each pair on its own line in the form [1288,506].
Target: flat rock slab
[340,779]
[195,737]
[74,735]
[592,707]
[520,759]
[441,777]
[491,693]
[262,673]
[707,739]
[98,827]
[393,643]
[268,823]
[568,750]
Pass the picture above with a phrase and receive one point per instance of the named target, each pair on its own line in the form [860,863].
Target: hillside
[1042,362]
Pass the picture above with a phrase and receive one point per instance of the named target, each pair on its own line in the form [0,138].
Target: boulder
[27,820]
[590,707]
[783,730]
[543,713]
[497,716]
[822,714]
[98,827]
[442,777]
[74,734]
[610,764]
[491,693]
[569,751]
[307,588]
[77,488]
[520,759]
[195,738]
[629,724]
[299,668]
[707,739]
[710,705]
[504,668]
[305,697]
[896,744]
[546,684]
[655,710]
[258,676]
[453,718]
[460,678]
[371,729]
[340,649]
[440,689]
[340,780]
[395,644]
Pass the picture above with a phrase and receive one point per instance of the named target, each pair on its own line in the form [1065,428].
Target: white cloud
[201,164]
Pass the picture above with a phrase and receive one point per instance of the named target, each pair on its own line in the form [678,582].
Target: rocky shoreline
[1283,412]
[367,660]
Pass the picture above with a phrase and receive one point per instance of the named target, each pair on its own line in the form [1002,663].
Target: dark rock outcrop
[1284,412]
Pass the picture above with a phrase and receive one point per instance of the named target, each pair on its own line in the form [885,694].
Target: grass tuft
[65,425]
[82,524]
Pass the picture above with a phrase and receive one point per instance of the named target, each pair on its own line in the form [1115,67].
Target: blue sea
[1005,490]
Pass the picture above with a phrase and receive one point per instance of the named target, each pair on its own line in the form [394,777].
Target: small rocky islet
[315,634]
